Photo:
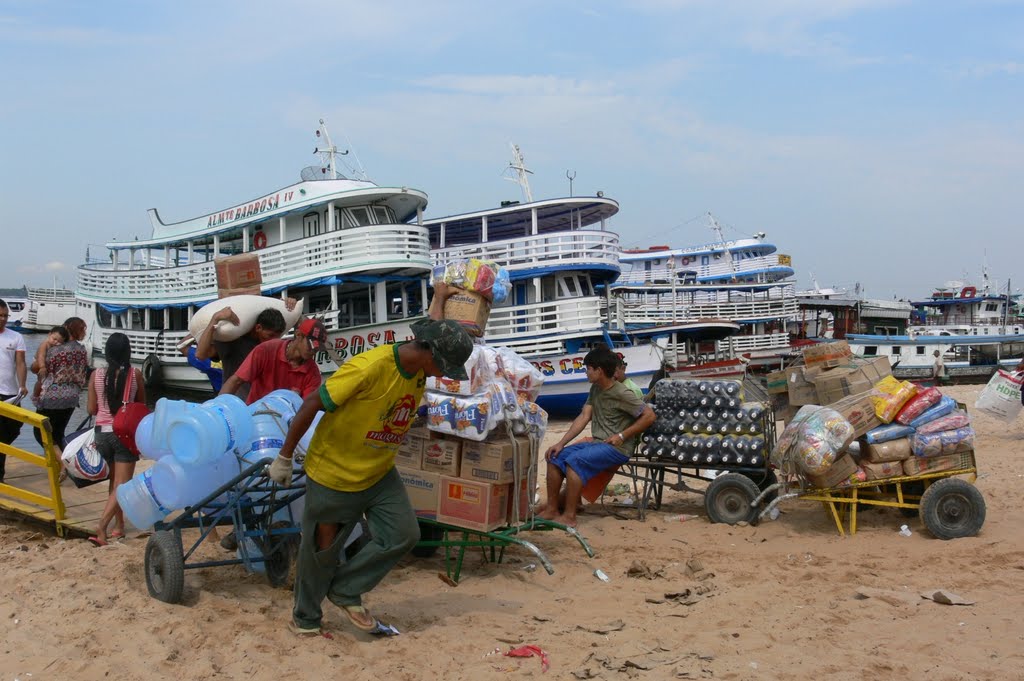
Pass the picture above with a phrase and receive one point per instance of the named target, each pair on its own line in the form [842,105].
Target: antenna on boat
[329,157]
[518,166]
[717,229]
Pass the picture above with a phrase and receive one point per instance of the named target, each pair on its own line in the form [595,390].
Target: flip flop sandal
[377,628]
[116,535]
[96,541]
[304,632]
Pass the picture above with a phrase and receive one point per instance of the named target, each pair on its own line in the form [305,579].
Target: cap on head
[316,332]
[449,343]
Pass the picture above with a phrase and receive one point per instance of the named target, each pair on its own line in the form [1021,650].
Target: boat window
[870,350]
[897,349]
[383,215]
[991,307]
[568,288]
[920,349]
[310,224]
[361,215]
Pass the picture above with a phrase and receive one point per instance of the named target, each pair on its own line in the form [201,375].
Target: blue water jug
[179,485]
[202,434]
[150,446]
[284,403]
[268,435]
[139,503]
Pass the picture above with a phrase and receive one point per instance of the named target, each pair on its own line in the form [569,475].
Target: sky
[878,142]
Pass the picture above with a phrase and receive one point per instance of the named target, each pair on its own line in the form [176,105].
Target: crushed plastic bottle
[679,517]
[599,573]
[905,531]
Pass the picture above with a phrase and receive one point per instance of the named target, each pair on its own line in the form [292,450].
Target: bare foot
[547,513]
[567,520]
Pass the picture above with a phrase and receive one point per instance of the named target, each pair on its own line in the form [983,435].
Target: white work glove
[281,471]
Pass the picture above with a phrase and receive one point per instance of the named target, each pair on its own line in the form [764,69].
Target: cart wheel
[917,489]
[728,499]
[427,533]
[165,567]
[278,562]
[953,508]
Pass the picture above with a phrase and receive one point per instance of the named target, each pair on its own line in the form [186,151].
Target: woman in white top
[109,388]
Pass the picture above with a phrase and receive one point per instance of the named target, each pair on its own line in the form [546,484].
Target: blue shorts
[588,459]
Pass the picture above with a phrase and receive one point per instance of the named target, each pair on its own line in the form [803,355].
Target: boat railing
[50,295]
[362,249]
[583,247]
[742,312]
[764,341]
[539,319]
[164,344]
[742,268]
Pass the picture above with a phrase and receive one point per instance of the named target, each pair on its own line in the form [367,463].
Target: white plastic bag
[82,460]
[1001,397]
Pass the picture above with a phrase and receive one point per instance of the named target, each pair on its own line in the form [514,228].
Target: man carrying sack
[370,403]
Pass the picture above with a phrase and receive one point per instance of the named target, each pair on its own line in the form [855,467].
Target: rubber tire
[952,508]
[152,371]
[728,499]
[428,533]
[165,567]
[278,563]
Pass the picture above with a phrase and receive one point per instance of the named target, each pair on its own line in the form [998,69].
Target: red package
[918,404]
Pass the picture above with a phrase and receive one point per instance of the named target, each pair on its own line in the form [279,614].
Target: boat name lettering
[249,209]
[544,367]
[572,366]
[353,345]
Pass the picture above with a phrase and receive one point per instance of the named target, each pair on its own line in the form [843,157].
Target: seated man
[617,416]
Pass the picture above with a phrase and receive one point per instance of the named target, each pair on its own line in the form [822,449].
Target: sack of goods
[1001,397]
[812,442]
[247,308]
[889,395]
[705,424]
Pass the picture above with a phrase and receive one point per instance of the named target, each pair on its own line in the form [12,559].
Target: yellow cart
[950,506]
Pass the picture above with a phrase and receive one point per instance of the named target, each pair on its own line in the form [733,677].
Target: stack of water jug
[199,448]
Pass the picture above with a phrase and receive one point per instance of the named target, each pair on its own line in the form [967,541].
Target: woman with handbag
[111,388]
[67,369]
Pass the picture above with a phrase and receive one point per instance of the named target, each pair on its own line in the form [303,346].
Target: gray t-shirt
[615,409]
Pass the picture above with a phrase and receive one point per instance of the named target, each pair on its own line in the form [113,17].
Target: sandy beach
[776,601]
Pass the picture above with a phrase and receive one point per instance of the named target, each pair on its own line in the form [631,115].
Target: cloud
[52,266]
[518,86]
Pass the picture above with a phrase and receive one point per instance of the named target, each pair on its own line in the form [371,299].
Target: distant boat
[966,357]
[17,309]
[49,307]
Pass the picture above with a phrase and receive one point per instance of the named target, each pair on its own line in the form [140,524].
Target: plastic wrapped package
[882,470]
[472,416]
[942,443]
[893,431]
[889,395]
[934,464]
[957,418]
[1001,397]
[945,406]
[525,378]
[918,404]
[891,450]
[479,368]
[534,419]
[812,441]
[485,277]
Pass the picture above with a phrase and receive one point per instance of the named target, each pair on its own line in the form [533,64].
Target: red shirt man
[282,364]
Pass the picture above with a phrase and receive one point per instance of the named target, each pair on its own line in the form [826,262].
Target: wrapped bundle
[885,452]
[892,431]
[534,418]
[472,416]
[485,277]
[1001,397]
[525,378]
[942,443]
[918,404]
[945,406]
[882,470]
[889,395]
[934,464]
[955,419]
[479,368]
[812,441]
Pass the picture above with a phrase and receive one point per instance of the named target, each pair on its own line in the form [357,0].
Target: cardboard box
[493,461]
[839,472]
[423,490]
[470,309]
[238,275]
[917,465]
[778,382]
[801,390]
[525,502]
[856,376]
[875,368]
[474,505]
[882,470]
[859,410]
[884,452]
[410,454]
[825,355]
[442,456]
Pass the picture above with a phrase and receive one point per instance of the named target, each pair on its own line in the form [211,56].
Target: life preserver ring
[684,260]
[968,292]
[153,371]
[259,240]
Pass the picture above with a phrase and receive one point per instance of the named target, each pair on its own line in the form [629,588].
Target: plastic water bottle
[138,502]
[180,485]
[212,428]
[166,410]
[149,446]
[267,439]
[285,403]
[905,531]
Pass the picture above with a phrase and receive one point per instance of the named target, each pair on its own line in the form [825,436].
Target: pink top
[103,415]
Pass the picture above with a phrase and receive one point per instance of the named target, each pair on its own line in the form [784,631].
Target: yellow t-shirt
[369,403]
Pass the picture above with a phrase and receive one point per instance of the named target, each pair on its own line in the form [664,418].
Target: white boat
[341,243]
[17,309]
[560,256]
[743,281]
[960,309]
[48,307]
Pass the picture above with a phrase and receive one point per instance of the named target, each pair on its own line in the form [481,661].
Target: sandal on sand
[96,541]
[376,627]
[116,534]
[303,631]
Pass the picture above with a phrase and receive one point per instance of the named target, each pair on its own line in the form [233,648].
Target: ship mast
[329,157]
[518,166]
